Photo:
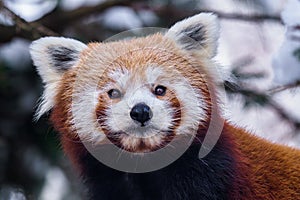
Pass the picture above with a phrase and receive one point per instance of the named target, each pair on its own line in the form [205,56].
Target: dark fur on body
[187,178]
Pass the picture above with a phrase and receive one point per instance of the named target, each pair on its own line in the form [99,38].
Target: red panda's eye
[114,93]
[160,90]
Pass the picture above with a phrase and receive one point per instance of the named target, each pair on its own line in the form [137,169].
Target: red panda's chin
[131,143]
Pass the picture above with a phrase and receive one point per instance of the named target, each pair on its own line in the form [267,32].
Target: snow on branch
[263,99]
[286,63]
[55,22]
[22,28]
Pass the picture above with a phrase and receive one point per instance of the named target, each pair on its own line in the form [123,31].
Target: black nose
[141,113]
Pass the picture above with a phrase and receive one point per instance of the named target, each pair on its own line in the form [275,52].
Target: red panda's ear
[198,34]
[52,56]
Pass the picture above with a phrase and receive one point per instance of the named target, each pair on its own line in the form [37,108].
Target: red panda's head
[137,93]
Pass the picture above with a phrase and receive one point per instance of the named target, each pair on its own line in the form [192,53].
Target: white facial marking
[121,76]
[192,106]
[84,100]
[153,73]
[84,103]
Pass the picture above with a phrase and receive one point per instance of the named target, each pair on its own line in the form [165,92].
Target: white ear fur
[197,34]
[53,56]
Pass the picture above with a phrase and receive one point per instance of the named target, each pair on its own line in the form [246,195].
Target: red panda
[140,95]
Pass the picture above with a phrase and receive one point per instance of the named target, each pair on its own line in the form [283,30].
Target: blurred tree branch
[177,13]
[250,18]
[284,87]
[22,28]
[53,23]
[264,99]
[57,19]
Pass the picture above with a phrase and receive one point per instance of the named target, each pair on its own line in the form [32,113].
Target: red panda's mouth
[141,139]
[134,144]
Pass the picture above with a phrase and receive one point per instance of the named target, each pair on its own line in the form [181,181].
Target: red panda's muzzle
[142,133]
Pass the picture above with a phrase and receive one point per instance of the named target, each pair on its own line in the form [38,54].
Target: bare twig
[249,18]
[264,100]
[283,87]
[284,115]
[177,13]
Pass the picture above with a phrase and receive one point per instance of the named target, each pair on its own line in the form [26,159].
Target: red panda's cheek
[101,108]
[175,105]
[177,111]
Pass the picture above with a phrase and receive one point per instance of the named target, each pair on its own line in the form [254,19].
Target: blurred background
[259,53]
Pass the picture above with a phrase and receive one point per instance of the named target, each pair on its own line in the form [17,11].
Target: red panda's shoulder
[272,169]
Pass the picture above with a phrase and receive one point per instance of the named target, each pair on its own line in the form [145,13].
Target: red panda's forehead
[138,57]
[133,53]
[128,55]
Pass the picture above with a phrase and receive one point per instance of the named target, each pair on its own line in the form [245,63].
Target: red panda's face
[138,109]
[141,109]
[138,97]
[138,93]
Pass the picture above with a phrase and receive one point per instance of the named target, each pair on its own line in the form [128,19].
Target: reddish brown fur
[274,170]
[263,170]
